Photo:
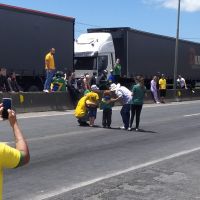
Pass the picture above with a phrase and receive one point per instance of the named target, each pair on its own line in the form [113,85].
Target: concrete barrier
[40,101]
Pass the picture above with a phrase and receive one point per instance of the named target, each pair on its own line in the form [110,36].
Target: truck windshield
[85,63]
[102,63]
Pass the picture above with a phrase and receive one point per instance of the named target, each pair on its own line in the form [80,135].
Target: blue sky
[156,16]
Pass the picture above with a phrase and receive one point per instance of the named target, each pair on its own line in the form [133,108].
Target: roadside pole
[176,50]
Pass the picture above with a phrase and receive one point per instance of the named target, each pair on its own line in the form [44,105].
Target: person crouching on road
[125,95]
[81,111]
[138,93]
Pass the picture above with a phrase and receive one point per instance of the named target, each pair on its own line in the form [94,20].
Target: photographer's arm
[20,142]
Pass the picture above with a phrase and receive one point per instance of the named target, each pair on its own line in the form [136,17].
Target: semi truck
[140,53]
[27,36]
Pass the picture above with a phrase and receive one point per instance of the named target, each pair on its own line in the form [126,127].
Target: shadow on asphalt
[140,130]
[144,131]
[117,128]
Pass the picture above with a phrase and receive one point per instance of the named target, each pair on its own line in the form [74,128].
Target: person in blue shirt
[111,78]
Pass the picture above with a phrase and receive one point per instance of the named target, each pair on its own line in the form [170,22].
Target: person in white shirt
[181,82]
[125,95]
[154,90]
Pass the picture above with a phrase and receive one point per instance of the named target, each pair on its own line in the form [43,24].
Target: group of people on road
[158,87]
[131,100]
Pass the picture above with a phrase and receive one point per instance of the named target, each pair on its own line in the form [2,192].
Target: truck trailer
[27,36]
[140,53]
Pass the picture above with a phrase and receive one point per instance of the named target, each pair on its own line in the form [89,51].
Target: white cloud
[186,5]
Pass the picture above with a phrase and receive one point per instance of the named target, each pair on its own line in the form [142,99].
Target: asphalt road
[72,162]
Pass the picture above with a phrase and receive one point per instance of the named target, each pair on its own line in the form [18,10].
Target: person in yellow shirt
[92,104]
[13,157]
[50,69]
[86,107]
[162,88]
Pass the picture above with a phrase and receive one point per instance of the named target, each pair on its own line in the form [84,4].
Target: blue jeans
[49,77]
[125,113]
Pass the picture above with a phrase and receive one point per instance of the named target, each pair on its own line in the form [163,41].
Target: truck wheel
[34,88]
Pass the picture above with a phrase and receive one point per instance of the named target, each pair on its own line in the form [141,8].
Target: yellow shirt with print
[162,84]
[49,61]
[92,96]
[9,158]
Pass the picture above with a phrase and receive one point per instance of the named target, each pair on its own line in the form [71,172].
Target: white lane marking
[43,115]
[48,137]
[196,114]
[114,174]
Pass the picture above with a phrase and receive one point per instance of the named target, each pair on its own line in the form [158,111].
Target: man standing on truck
[50,69]
[117,70]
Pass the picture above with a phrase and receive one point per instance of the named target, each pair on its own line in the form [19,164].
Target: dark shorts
[162,93]
[92,112]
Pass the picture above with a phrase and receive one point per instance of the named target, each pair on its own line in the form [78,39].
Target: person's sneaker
[129,129]
[122,128]
[136,129]
[46,91]
[109,127]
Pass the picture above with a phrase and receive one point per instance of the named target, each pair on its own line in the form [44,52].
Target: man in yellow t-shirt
[13,157]
[50,69]
[162,88]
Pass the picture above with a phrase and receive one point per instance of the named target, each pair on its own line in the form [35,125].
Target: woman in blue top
[138,92]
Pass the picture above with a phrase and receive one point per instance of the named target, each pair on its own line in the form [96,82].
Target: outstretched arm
[20,141]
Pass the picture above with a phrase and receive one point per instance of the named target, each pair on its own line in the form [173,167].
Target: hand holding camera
[6,111]
[7,105]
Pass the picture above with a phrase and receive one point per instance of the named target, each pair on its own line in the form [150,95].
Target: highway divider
[24,102]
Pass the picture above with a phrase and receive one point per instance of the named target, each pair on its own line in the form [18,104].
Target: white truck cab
[94,52]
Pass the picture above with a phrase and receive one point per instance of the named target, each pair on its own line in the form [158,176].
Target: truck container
[148,54]
[27,36]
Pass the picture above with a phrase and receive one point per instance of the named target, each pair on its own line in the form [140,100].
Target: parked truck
[25,38]
[141,53]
